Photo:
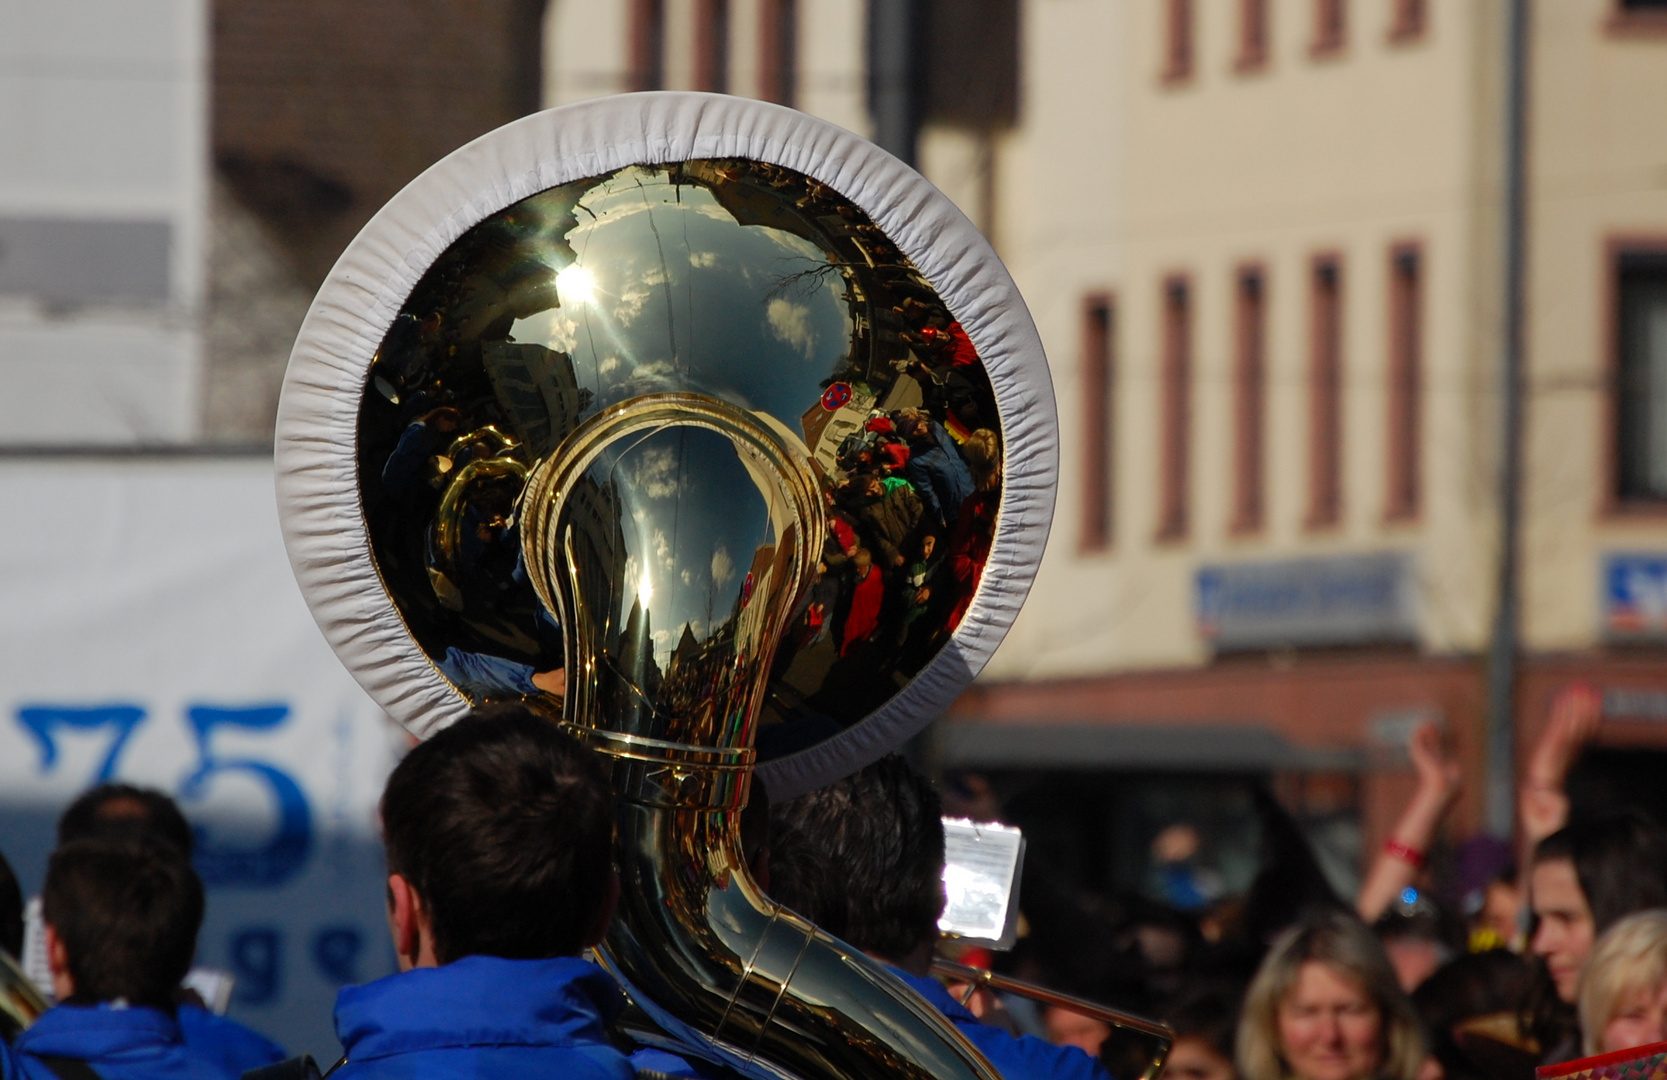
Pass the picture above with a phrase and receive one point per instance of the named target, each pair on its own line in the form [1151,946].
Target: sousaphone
[602,412]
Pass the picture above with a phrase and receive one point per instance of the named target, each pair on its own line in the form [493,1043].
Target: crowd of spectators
[498,835]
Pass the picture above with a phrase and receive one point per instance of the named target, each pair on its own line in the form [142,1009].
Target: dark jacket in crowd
[890,520]
[1016,1057]
[483,1018]
[226,1041]
[128,1043]
[940,476]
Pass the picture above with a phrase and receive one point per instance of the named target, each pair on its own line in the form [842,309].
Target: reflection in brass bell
[723,472]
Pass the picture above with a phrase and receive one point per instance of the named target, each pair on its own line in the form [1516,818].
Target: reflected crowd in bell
[738,280]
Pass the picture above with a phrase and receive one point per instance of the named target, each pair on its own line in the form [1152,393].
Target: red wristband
[1409,855]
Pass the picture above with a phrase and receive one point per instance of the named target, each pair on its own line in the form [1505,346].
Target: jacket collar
[479,1000]
[936,994]
[91,1032]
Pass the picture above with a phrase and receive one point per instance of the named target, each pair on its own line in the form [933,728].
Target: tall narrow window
[1249,398]
[1406,380]
[1098,385]
[1325,394]
[648,44]
[1176,418]
[712,46]
[778,60]
[1177,42]
[1641,375]
[1407,20]
[1330,27]
[1253,35]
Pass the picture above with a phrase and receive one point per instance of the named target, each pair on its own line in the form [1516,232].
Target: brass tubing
[715,964]
[1162,1033]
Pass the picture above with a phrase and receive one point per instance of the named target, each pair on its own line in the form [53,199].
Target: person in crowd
[1404,853]
[974,524]
[1418,937]
[1204,1023]
[863,858]
[890,516]
[1325,1006]
[499,833]
[118,811]
[1471,1008]
[936,470]
[1623,991]
[868,594]
[121,918]
[11,911]
[1584,878]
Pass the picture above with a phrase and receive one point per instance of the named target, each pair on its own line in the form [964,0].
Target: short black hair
[503,825]
[11,910]
[863,858]
[118,811]
[127,912]
[1620,861]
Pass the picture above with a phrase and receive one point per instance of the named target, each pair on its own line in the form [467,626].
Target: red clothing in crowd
[864,617]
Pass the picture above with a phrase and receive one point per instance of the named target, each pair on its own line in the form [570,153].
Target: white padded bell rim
[317,431]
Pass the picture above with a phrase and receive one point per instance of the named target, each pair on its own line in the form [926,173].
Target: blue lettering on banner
[272,863]
[44,721]
[1320,600]
[336,951]
[280,858]
[257,959]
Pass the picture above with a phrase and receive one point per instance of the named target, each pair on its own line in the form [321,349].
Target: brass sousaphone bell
[647,410]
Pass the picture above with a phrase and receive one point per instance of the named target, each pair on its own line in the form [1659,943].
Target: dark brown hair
[127,912]
[504,826]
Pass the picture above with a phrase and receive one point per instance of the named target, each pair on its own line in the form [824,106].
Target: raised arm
[1409,842]
[1542,803]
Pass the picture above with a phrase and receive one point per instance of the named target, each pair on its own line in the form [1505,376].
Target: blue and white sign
[152,633]
[1634,596]
[1324,600]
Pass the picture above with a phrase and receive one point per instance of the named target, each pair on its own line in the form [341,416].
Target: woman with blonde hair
[1623,991]
[1325,1005]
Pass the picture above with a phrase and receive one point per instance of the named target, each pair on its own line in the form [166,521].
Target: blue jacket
[118,1043]
[939,476]
[483,1018]
[227,1042]
[1016,1057]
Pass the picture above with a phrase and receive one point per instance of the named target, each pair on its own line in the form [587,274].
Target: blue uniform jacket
[483,1018]
[118,1043]
[227,1042]
[1016,1057]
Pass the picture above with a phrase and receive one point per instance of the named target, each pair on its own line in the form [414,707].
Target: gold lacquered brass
[694,435]
[703,951]
[21,1003]
[1159,1037]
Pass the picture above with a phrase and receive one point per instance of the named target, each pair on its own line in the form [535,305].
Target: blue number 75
[43,721]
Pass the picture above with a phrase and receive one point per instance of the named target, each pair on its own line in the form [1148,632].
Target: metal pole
[1502,651]
[894,74]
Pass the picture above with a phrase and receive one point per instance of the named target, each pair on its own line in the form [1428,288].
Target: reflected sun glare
[575,284]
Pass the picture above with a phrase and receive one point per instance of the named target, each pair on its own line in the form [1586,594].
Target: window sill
[1636,24]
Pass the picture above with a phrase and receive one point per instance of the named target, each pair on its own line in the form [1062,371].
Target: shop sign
[1634,596]
[1319,601]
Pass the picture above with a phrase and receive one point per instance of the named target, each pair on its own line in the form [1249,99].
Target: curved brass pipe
[710,959]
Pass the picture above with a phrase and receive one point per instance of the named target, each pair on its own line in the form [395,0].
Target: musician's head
[863,859]
[1325,1005]
[121,921]
[500,834]
[119,811]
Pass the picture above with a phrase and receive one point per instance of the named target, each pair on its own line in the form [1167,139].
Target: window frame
[1405,381]
[1180,42]
[1330,38]
[1175,408]
[1255,49]
[1617,250]
[1099,416]
[1250,400]
[1326,396]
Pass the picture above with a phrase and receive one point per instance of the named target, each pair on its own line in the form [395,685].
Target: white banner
[151,632]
